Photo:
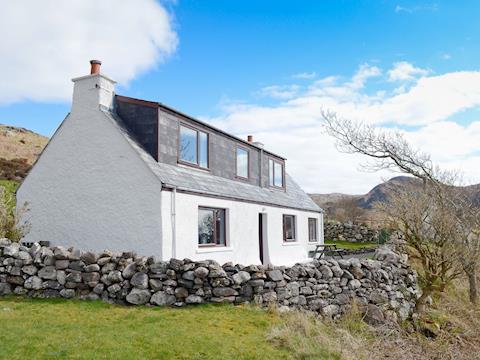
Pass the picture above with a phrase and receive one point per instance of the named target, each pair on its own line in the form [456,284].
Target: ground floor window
[289,228]
[312,230]
[211,227]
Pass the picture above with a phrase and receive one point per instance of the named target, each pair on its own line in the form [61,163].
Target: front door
[260,236]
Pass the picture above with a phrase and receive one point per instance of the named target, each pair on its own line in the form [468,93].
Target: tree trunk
[421,303]
[472,282]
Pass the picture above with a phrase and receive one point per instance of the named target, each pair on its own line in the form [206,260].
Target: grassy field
[350,245]
[70,329]
[60,329]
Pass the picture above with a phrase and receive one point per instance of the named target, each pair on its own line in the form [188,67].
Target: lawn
[351,245]
[61,329]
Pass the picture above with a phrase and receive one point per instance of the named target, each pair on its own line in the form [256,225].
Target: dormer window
[193,147]
[276,173]
[242,160]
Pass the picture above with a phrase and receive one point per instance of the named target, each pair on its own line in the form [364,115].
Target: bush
[10,226]
[384,236]
[15,169]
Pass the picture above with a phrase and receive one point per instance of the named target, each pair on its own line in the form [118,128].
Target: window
[275,173]
[193,146]
[312,230]
[289,228]
[211,227]
[242,162]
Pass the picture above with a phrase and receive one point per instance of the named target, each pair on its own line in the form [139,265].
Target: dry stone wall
[386,287]
[349,232]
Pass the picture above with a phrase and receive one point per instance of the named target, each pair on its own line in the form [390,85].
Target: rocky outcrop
[328,287]
[350,232]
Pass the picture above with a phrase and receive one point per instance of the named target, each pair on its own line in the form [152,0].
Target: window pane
[289,228]
[312,229]
[278,174]
[270,172]
[206,229]
[220,227]
[203,139]
[188,145]
[242,162]
[211,227]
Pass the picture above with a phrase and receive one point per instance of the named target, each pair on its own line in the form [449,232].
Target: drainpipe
[261,167]
[173,216]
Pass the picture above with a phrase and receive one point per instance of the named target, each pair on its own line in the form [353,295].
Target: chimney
[95,67]
[250,138]
[94,91]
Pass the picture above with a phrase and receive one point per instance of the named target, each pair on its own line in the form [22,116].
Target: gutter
[223,197]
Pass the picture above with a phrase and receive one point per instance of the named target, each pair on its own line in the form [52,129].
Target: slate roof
[195,181]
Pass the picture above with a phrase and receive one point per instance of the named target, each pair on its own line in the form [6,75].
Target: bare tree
[428,230]
[467,215]
[456,235]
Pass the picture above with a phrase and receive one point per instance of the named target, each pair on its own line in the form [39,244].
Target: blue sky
[229,57]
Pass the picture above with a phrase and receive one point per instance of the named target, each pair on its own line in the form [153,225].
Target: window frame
[237,147]
[294,224]
[197,131]
[316,230]
[214,245]
[271,170]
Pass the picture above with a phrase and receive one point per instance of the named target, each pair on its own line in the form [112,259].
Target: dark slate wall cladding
[222,149]
[142,121]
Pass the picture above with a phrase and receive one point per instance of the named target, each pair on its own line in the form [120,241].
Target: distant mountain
[19,148]
[380,193]
[340,206]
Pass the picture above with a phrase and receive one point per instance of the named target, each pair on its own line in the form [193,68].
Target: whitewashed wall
[90,189]
[242,231]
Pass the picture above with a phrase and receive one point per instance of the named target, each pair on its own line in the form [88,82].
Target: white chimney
[93,91]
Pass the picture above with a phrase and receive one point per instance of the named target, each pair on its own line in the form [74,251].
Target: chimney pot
[250,138]
[95,67]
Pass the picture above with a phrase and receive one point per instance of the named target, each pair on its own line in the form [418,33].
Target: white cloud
[305,75]
[413,9]
[279,91]
[404,71]
[292,127]
[446,56]
[46,43]
[364,73]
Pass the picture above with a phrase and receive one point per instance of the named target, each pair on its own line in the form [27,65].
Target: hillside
[19,148]
[381,192]
[343,207]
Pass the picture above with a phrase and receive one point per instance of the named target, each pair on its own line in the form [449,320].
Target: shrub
[384,236]
[10,225]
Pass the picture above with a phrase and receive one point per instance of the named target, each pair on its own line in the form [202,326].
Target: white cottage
[131,175]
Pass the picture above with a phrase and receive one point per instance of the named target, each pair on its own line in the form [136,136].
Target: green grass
[10,186]
[351,245]
[70,329]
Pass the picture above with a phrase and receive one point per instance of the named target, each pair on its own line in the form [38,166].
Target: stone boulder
[138,296]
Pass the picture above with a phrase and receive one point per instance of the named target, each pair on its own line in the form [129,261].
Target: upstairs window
[211,227]
[242,162]
[312,230]
[289,231]
[193,146]
[276,173]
